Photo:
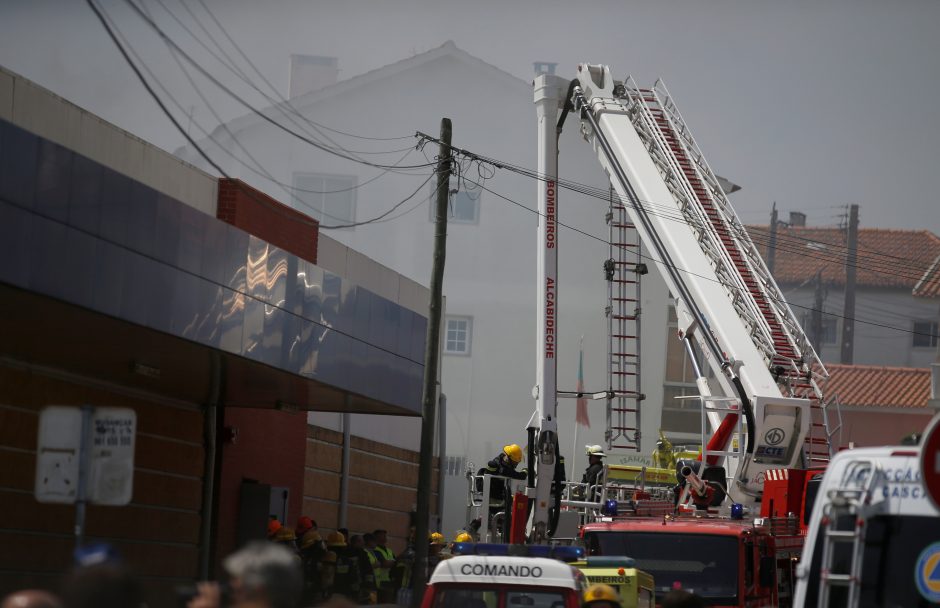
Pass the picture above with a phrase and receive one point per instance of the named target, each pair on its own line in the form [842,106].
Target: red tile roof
[900,259]
[878,386]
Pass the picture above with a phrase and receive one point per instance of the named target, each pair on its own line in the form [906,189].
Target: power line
[251,107]
[688,272]
[672,214]
[232,66]
[261,171]
[111,33]
[273,88]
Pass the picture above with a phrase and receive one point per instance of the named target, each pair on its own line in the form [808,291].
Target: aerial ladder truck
[733,319]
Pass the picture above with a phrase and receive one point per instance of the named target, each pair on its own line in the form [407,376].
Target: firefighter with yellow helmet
[504,465]
[601,596]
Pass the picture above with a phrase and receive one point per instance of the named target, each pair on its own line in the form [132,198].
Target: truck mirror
[766,573]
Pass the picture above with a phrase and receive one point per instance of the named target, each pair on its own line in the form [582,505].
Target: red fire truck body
[742,563]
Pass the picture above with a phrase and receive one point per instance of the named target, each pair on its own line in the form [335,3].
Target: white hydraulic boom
[727,303]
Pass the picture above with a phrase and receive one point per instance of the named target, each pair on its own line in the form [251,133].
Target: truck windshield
[456,596]
[701,563]
[893,545]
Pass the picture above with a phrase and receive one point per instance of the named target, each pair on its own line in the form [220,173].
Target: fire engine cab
[727,562]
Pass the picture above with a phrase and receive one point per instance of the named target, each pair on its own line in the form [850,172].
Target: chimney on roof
[310,73]
[544,67]
[797,219]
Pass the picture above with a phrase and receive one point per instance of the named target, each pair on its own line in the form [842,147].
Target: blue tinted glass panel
[192,231]
[84,204]
[49,248]
[253,334]
[185,311]
[138,289]
[213,251]
[142,219]
[111,268]
[18,156]
[160,313]
[78,278]
[167,232]
[232,321]
[53,180]
[115,204]
[15,247]
[234,263]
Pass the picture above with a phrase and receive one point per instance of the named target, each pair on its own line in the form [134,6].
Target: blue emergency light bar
[565,554]
[610,561]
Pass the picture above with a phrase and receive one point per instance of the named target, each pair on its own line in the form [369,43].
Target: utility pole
[772,247]
[816,326]
[848,308]
[431,352]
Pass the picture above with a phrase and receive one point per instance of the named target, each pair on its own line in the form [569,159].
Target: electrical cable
[261,171]
[250,192]
[671,214]
[273,88]
[261,114]
[652,259]
[232,66]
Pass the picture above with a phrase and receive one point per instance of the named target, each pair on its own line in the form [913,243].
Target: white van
[502,581]
[874,535]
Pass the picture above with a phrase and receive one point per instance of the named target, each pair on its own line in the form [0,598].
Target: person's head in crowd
[381,537]
[304,525]
[356,542]
[31,598]
[369,540]
[104,585]
[264,574]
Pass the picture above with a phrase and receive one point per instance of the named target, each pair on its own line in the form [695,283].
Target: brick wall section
[260,215]
[158,533]
[269,449]
[382,486]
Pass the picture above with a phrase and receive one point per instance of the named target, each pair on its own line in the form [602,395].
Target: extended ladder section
[737,262]
[843,530]
[726,300]
[623,270]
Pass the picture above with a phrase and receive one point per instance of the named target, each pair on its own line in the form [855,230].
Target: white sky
[813,104]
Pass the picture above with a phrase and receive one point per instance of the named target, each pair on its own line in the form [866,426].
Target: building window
[925,334]
[455,466]
[330,199]
[463,206]
[457,336]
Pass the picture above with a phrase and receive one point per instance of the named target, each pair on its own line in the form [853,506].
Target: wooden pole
[431,361]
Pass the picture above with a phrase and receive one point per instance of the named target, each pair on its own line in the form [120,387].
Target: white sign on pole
[110,445]
[111,478]
[57,454]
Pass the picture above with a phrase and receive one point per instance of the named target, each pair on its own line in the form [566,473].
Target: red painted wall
[270,448]
[260,215]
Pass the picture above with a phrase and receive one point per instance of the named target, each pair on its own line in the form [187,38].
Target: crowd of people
[293,567]
[360,567]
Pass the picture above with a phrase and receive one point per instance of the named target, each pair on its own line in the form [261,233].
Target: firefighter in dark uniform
[593,472]
[503,465]
[348,581]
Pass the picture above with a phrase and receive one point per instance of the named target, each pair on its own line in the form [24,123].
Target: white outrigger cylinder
[549,96]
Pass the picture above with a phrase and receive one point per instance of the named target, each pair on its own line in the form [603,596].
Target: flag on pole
[581,413]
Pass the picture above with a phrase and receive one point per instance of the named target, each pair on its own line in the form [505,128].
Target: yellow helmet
[336,539]
[436,538]
[514,452]
[601,593]
[463,537]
